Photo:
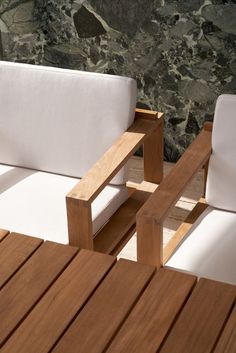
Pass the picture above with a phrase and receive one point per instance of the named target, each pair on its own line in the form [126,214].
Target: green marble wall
[182,53]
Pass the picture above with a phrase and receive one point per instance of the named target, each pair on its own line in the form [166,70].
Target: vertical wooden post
[149,241]
[205,177]
[79,217]
[153,155]
[208,126]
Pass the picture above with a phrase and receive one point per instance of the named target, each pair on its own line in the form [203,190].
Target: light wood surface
[153,151]
[22,247]
[3,234]
[65,300]
[148,130]
[178,213]
[47,322]
[151,216]
[32,280]
[227,342]
[154,314]
[147,114]
[79,221]
[181,232]
[108,308]
[174,184]
[110,163]
[202,319]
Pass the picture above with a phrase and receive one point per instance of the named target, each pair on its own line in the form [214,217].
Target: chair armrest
[151,216]
[174,184]
[115,158]
[79,199]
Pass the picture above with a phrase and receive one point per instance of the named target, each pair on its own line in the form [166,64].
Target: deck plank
[20,294]
[60,304]
[3,234]
[102,316]
[202,319]
[151,319]
[227,342]
[15,249]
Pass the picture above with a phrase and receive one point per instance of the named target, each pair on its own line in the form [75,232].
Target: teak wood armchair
[66,136]
[205,243]
[147,130]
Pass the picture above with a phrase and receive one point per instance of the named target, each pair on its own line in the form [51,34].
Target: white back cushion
[61,121]
[221,182]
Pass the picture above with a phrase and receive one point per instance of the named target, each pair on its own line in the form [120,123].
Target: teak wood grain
[150,320]
[64,301]
[202,319]
[183,229]
[15,249]
[176,181]
[3,234]
[151,216]
[110,163]
[60,304]
[153,151]
[104,313]
[227,341]
[148,130]
[31,281]
[79,221]
[147,114]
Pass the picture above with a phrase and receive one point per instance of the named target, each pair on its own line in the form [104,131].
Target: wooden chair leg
[79,218]
[149,242]
[154,155]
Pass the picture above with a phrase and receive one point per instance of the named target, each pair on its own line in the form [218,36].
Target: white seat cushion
[33,202]
[209,249]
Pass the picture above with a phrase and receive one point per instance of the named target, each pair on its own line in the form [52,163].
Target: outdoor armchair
[205,244]
[64,136]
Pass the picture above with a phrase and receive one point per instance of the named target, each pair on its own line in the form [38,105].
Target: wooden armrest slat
[164,198]
[110,163]
[147,114]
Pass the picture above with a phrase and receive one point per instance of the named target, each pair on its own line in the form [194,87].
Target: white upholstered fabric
[61,121]
[33,203]
[209,249]
[221,181]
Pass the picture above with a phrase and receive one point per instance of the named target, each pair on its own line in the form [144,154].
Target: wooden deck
[179,213]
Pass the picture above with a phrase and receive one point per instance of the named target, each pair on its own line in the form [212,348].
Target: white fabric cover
[220,189]
[209,249]
[61,121]
[33,203]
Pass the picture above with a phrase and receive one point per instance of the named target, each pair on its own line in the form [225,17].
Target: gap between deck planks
[179,213]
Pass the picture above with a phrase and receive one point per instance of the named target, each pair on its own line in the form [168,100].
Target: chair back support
[221,182]
[61,121]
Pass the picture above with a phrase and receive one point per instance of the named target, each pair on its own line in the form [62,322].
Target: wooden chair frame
[147,130]
[151,216]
